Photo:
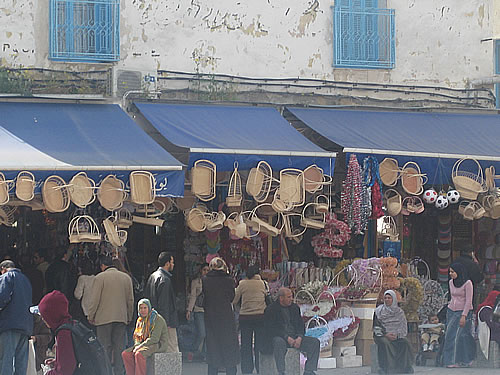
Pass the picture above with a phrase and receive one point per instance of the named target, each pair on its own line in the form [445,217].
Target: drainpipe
[485,81]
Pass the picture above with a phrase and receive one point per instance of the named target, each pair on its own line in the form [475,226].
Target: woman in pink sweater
[459,345]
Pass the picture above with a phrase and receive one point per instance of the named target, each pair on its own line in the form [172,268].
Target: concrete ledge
[267,364]
[165,364]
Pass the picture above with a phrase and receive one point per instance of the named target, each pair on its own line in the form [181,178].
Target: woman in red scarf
[488,328]
[150,336]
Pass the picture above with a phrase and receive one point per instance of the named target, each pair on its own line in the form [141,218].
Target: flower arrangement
[346,329]
[367,273]
[336,234]
[315,288]
[354,292]
[413,294]
[342,276]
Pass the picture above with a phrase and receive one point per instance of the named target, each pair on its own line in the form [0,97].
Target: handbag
[268,297]
[200,300]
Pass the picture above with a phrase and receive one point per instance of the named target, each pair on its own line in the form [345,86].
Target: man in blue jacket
[16,321]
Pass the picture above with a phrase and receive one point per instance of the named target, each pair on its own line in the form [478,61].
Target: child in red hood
[54,311]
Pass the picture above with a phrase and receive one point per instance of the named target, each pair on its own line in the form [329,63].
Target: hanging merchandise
[430,196]
[351,195]
[442,202]
[336,234]
[377,211]
[370,175]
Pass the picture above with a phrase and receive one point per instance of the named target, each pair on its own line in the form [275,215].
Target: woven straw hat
[389,171]
[203,179]
[81,190]
[55,194]
[111,193]
[83,228]
[142,187]
[25,186]
[5,186]
[259,181]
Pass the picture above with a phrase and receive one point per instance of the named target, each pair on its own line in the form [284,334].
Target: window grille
[85,30]
[364,35]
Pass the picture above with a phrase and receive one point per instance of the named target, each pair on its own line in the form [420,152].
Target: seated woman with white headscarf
[389,330]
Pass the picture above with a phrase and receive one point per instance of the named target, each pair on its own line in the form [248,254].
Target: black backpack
[91,358]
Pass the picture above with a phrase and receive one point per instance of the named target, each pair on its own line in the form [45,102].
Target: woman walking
[459,345]
[222,339]
[252,293]
[390,329]
[198,313]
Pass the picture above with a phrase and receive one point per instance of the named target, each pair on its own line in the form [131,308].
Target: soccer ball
[453,196]
[442,202]
[430,196]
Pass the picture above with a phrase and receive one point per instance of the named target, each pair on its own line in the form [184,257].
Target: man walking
[160,291]
[111,309]
[16,321]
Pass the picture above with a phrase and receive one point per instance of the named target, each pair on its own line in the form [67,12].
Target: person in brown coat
[222,340]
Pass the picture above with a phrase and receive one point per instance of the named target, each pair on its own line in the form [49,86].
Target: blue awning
[55,138]
[434,140]
[229,134]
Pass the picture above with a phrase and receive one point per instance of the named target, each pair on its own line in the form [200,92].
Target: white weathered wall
[438,42]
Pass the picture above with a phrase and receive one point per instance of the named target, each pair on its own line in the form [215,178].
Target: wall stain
[481,15]
[307,18]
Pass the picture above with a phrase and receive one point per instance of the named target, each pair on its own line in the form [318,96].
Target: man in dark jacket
[59,276]
[160,291]
[285,328]
[16,321]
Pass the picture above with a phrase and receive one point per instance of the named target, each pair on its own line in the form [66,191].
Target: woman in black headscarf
[459,345]
[389,330]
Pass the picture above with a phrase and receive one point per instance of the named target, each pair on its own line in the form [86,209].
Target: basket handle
[303,291]
[317,319]
[346,307]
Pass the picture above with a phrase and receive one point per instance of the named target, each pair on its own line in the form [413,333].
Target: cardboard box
[327,363]
[341,351]
[365,330]
[350,361]
[363,348]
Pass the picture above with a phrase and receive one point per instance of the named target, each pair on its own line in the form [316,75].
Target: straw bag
[322,332]
[55,194]
[469,184]
[111,193]
[7,215]
[322,204]
[215,221]
[203,179]
[83,228]
[393,202]
[259,181]
[291,188]
[237,225]
[412,179]
[309,221]
[315,179]
[114,236]
[234,194]
[142,187]
[195,220]
[5,187]
[25,186]
[81,190]
[123,218]
[389,171]
[473,211]
[491,204]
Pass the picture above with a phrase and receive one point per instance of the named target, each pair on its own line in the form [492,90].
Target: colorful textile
[145,325]
[352,196]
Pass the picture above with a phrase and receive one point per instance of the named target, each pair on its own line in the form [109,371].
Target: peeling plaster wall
[437,42]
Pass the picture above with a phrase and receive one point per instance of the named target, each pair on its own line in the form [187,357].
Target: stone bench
[165,364]
[267,364]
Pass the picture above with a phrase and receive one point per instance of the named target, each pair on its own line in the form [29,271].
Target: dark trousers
[251,331]
[212,370]
[309,346]
[112,338]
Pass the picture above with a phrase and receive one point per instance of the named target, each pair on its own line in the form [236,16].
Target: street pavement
[196,368]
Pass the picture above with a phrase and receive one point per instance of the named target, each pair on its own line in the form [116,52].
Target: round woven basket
[55,194]
[469,184]
[389,171]
[195,220]
[111,193]
[259,181]
[25,186]
[291,188]
[4,190]
[142,187]
[314,178]
[81,190]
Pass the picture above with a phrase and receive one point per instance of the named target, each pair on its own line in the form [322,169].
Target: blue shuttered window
[364,35]
[85,30]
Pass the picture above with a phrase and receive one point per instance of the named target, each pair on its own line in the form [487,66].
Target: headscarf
[462,274]
[144,326]
[489,300]
[54,309]
[392,316]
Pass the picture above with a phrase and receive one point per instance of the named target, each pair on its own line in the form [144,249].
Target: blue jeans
[199,345]
[459,345]
[13,353]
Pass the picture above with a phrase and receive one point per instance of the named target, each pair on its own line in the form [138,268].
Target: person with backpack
[54,311]
[150,336]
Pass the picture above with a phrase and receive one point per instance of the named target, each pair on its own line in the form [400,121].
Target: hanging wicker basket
[55,194]
[203,179]
[7,217]
[83,228]
[468,183]
[111,193]
[5,187]
[25,186]
[291,188]
[123,218]
[114,236]
[234,194]
[142,187]
[81,190]
[259,181]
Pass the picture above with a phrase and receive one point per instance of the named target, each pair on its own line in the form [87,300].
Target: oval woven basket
[55,194]
[142,187]
[81,190]
[111,193]
[25,186]
[5,186]
[468,183]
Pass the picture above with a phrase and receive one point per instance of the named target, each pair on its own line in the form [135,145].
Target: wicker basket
[234,194]
[83,228]
[111,193]
[114,236]
[123,218]
[5,187]
[315,179]
[7,215]
[347,340]
[310,221]
[291,188]
[142,187]
[259,181]
[55,194]
[203,179]
[469,184]
[81,190]
[195,220]
[25,186]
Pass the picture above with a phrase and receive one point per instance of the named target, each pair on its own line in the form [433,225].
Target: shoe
[431,347]
[425,348]
[453,366]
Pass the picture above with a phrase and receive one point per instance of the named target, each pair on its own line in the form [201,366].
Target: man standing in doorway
[111,309]
[160,291]
[16,321]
